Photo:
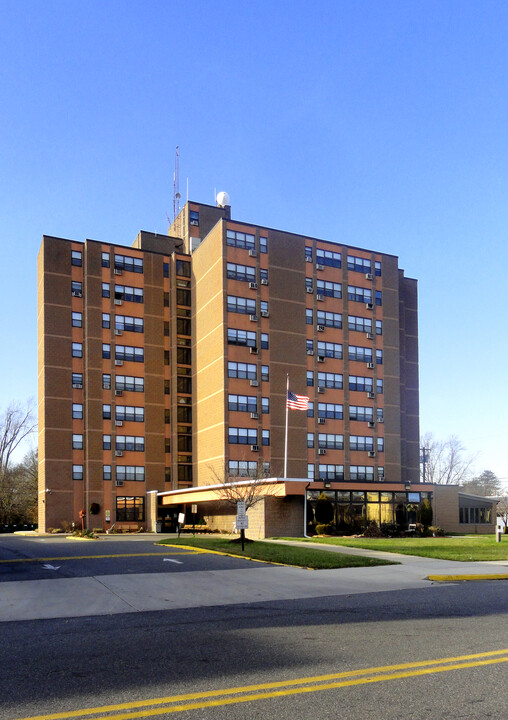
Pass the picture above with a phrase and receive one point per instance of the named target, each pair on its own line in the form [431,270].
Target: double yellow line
[250,693]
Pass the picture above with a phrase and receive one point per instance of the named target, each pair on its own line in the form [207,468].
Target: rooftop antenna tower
[176,186]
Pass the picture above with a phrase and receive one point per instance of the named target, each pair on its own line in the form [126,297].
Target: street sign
[242,522]
[181,518]
[240,507]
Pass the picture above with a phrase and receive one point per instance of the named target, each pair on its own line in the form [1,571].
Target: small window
[263,245]
[77,472]
[77,350]
[106,472]
[76,289]
[77,319]
[194,218]
[165,268]
[106,442]
[76,258]
[105,259]
[77,380]
[77,442]
[106,382]
[106,320]
[77,411]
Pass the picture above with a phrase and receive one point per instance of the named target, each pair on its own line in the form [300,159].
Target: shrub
[325,529]
[436,531]
[372,530]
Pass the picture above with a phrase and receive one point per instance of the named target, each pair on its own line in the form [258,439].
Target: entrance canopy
[269,487]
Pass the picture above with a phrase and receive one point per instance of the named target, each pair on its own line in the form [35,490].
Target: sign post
[242,521]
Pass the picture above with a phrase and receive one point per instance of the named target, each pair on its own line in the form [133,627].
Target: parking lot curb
[462,578]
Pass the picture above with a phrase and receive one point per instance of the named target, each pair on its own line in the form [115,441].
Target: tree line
[18,480]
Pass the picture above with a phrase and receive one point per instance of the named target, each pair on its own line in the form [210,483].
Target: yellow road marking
[448,578]
[344,679]
[93,557]
[241,557]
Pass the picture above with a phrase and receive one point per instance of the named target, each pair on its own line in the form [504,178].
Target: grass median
[460,548]
[282,554]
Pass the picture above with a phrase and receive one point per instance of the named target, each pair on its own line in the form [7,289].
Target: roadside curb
[226,554]
[452,578]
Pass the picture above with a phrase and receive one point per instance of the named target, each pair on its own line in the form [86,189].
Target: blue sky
[377,124]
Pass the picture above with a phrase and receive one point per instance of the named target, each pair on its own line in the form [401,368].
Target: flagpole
[286,439]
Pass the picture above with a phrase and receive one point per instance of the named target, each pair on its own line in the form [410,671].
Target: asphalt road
[323,657]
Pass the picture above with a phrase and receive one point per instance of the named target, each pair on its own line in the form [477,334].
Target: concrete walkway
[114,594]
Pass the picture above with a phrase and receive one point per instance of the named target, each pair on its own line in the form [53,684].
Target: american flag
[297,402]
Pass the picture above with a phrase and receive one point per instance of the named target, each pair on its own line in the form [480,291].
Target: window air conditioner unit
[371,424]
[320,267]
[254,448]
[252,253]
[380,420]
[370,366]
[254,415]
[77,293]
[321,451]
[265,313]
[321,421]
[369,306]
[118,393]
[309,290]
[119,453]
[371,395]
[119,483]
[308,259]
[320,389]
[117,271]
[310,352]
[253,318]
[254,350]
[369,336]
[118,331]
[321,328]
[118,423]
[118,362]
[77,386]
[264,281]
[253,285]
[371,453]
[254,383]
[320,297]
[117,301]
[369,276]
[321,358]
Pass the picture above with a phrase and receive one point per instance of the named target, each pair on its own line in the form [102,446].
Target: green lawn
[285,554]
[479,547]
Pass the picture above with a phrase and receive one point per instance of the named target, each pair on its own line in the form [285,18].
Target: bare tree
[17,423]
[250,489]
[502,510]
[446,461]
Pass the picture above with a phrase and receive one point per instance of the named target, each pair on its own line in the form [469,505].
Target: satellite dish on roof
[222,199]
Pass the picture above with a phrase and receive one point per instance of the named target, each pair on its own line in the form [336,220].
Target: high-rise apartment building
[164,366]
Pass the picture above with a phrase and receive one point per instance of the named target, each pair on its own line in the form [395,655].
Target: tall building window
[128,293]
[76,258]
[242,370]
[242,436]
[265,437]
[265,405]
[310,378]
[329,289]
[77,442]
[327,257]
[328,349]
[106,472]
[361,472]
[128,382]
[243,403]
[76,289]
[330,380]
[106,291]
[361,442]
[127,473]
[265,373]
[128,263]
[106,320]
[77,472]
[240,239]
[106,442]
[330,441]
[243,468]
[308,253]
[331,472]
[183,268]
[360,384]
[310,440]
[242,337]
[244,273]
[263,244]
[361,414]
[246,306]
[77,350]
[77,380]
[129,324]
[329,319]
[106,412]
[309,316]
[77,411]
[130,443]
[129,413]
[360,324]
[330,411]
[194,218]
[264,341]
[129,353]
[362,354]
[311,471]
[359,294]
[77,319]
[106,350]
[106,382]
[105,259]
[358,264]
